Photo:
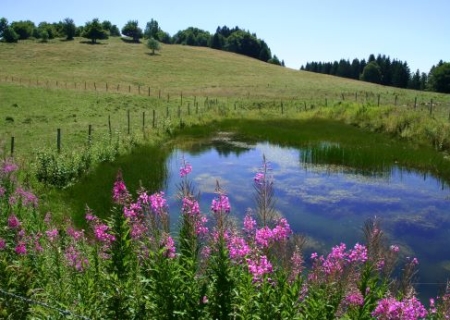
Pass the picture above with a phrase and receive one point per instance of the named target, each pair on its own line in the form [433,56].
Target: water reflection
[327,193]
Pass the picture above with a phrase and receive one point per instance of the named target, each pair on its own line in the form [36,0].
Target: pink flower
[185,169]
[158,203]
[249,224]
[354,299]
[263,237]
[21,248]
[75,259]
[259,267]
[407,309]
[8,166]
[2,244]
[102,235]
[169,245]
[13,222]
[27,197]
[238,248]
[221,204]
[394,248]
[75,234]
[282,231]
[358,254]
[52,234]
[120,192]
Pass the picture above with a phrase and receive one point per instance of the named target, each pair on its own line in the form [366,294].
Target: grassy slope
[42,87]
[192,70]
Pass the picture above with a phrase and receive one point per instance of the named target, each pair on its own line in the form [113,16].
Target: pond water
[329,203]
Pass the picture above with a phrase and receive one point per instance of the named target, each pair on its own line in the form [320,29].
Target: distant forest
[382,70]
[234,40]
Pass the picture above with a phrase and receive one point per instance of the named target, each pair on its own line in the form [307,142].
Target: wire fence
[63,312]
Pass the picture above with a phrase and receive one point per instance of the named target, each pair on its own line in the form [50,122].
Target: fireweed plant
[132,266]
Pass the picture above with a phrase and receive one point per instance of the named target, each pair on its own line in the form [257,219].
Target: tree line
[382,70]
[235,40]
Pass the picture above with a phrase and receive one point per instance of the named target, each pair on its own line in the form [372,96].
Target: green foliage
[94,31]
[132,30]
[9,35]
[153,45]
[152,29]
[440,77]
[24,29]
[3,25]
[371,73]
[69,28]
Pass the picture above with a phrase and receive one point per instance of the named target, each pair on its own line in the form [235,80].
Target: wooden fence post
[109,125]
[415,103]
[128,117]
[12,147]
[378,98]
[154,119]
[89,135]
[58,140]
[143,120]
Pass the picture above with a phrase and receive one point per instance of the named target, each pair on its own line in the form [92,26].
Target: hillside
[72,85]
[175,69]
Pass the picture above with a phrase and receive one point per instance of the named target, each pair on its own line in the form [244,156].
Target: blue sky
[415,31]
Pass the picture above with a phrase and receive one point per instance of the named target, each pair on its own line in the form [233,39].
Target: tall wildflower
[120,193]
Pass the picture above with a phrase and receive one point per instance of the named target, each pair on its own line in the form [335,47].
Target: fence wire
[63,312]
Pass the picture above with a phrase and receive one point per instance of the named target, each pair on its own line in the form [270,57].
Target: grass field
[71,85]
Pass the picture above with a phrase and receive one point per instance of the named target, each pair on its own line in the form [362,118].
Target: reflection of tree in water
[224,145]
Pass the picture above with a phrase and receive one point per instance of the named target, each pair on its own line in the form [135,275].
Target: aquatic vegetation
[132,266]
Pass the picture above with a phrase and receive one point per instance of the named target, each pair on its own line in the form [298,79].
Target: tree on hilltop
[439,78]
[132,30]
[93,30]
[9,35]
[3,26]
[153,45]
[24,29]
[372,72]
[69,28]
[152,29]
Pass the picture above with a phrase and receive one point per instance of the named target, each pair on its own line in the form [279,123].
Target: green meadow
[72,114]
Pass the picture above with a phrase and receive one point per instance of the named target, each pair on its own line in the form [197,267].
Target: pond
[329,179]
[328,203]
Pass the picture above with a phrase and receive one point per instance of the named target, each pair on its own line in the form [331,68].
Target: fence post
[378,98]
[58,140]
[154,119]
[143,120]
[109,125]
[139,89]
[128,118]
[129,88]
[415,103]
[326,102]
[12,147]
[282,108]
[89,135]
[179,111]
[149,91]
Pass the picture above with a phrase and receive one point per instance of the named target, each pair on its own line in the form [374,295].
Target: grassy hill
[175,69]
[73,84]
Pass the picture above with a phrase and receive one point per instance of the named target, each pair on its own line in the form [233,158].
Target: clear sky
[297,31]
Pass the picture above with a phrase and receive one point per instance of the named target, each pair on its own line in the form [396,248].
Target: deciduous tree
[372,73]
[439,78]
[153,45]
[93,30]
[69,28]
[132,30]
